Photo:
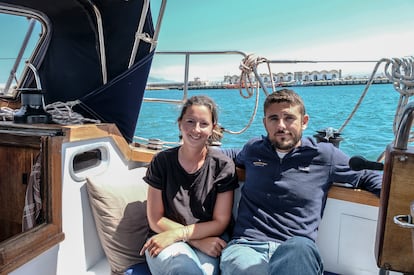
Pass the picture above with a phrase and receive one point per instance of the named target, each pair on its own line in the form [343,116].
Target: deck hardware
[33,107]
[403,158]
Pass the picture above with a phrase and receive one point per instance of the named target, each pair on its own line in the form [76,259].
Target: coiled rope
[6,113]
[247,67]
[62,113]
[153,143]
[401,72]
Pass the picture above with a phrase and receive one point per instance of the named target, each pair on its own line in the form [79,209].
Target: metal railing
[187,55]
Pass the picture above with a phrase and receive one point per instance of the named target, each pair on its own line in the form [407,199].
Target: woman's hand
[211,246]
[160,241]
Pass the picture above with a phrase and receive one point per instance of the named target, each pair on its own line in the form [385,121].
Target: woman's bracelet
[186,233]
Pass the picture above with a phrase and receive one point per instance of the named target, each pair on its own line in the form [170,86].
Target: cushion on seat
[119,208]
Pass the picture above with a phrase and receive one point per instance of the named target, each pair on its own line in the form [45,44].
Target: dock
[202,86]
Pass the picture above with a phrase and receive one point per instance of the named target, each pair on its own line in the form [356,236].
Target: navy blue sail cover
[109,103]
[71,66]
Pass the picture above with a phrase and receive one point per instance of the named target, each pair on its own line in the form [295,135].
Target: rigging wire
[400,71]
[364,93]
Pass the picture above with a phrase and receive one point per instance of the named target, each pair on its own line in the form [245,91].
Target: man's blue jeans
[296,256]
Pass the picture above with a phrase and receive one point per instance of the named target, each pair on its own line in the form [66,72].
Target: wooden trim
[394,244]
[91,131]
[142,154]
[22,248]
[73,133]
[25,246]
[353,195]
[54,178]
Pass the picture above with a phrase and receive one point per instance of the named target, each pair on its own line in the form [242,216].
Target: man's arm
[371,181]
[230,152]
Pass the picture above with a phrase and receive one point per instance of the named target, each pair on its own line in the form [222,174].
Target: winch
[32,109]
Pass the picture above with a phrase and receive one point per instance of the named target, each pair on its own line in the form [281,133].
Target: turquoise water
[367,134]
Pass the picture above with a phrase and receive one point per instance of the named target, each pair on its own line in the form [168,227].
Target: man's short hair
[285,95]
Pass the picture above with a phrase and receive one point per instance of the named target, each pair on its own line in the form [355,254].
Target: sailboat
[72,198]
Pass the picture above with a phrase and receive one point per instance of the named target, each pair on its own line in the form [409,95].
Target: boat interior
[72,172]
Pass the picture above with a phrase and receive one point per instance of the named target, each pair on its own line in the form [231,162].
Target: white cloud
[374,47]
[384,45]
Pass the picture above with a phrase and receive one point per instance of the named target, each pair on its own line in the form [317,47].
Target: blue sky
[275,27]
[294,29]
[301,29]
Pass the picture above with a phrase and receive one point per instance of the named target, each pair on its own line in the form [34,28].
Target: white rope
[401,72]
[62,113]
[6,113]
[247,65]
[256,105]
[153,143]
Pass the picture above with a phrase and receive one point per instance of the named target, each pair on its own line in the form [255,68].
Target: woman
[190,197]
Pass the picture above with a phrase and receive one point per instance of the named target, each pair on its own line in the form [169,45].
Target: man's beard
[287,146]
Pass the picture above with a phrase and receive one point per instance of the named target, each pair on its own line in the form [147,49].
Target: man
[284,194]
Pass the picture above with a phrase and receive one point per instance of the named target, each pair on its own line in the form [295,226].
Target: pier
[204,85]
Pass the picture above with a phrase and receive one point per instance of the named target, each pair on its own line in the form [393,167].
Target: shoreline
[337,82]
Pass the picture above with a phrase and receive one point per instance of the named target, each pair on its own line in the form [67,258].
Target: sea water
[368,132]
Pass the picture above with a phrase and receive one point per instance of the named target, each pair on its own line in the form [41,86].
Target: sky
[294,29]
[273,29]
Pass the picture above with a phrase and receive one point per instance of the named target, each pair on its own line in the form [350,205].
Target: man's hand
[211,246]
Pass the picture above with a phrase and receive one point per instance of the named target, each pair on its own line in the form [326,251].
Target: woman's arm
[215,227]
[220,221]
[170,231]
[155,212]
[211,244]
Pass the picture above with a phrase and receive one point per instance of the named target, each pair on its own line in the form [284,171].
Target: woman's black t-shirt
[190,198]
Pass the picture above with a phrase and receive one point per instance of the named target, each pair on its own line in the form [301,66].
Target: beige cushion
[118,204]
